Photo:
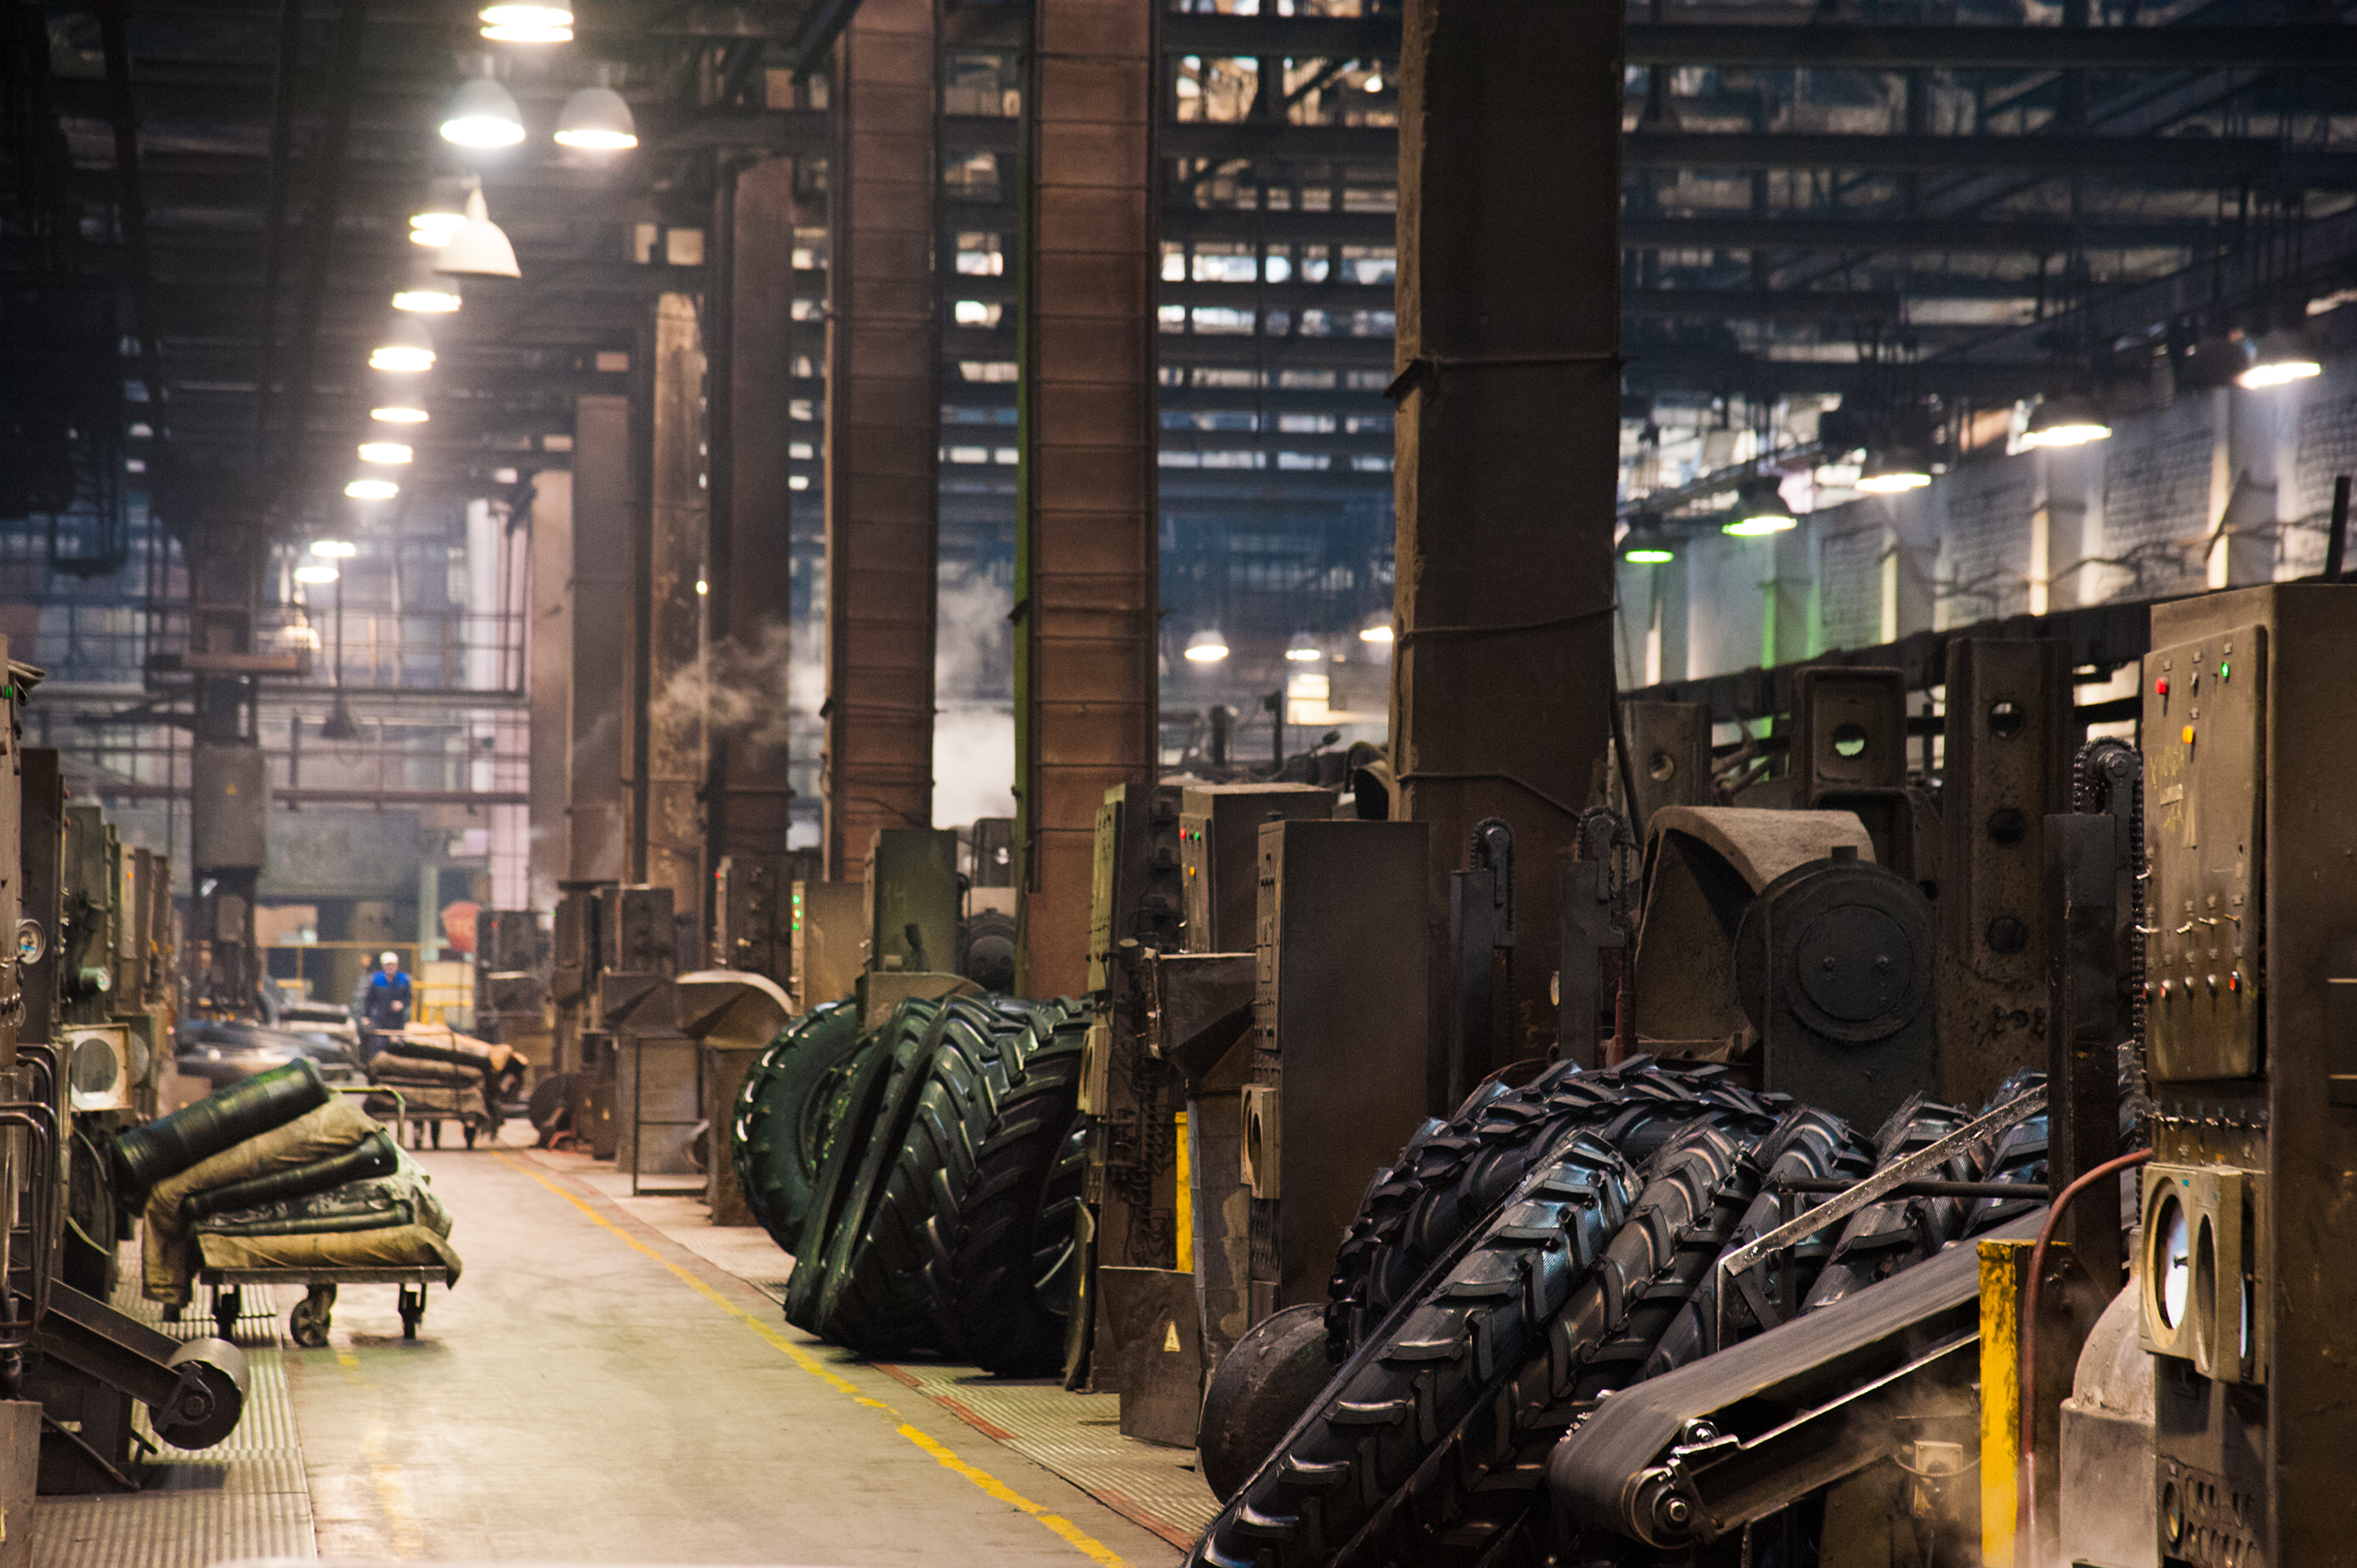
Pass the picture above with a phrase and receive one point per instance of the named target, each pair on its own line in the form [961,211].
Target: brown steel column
[883,433]
[748,611]
[666,695]
[1507,436]
[1085,588]
[597,726]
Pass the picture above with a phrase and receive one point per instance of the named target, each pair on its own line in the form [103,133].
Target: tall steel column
[1085,590]
[883,431]
[666,695]
[1507,434]
[597,726]
[748,613]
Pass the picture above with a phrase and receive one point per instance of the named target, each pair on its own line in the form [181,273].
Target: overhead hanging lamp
[2070,420]
[527,24]
[1760,510]
[2283,356]
[481,248]
[1895,472]
[599,120]
[404,346]
[1303,650]
[386,452]
[399,413]
[1207,646]
[482,114]
[1647,543]
[425,291]
[371,490]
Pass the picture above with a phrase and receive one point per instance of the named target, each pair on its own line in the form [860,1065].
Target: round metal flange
[1855,946]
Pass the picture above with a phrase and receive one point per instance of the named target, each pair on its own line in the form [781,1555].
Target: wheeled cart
[308,1322]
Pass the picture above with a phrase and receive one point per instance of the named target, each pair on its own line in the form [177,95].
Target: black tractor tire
[1472,1499]
[1256,1393]
[1492,1307]
[2017,1154]
[1806,1145]
[927,1133]
[778,1129]
[852,1109]
[1001,1252]
[1452,1176]
[1891,1237]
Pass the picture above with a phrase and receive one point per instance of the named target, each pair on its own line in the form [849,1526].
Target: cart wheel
[310,1319]
[228,1306]
[470,1134]
[413,1310]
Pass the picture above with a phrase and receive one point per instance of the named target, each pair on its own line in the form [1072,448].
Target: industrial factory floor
[611,1383]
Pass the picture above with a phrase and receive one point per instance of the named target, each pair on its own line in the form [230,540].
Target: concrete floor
[593,1392]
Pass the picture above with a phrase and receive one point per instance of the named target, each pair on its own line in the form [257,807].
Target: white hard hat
[388,956]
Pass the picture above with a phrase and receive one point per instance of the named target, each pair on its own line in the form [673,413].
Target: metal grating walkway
[245,1498]
[1079,1437]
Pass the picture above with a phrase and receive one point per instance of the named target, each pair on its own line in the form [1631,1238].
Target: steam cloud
[974,726]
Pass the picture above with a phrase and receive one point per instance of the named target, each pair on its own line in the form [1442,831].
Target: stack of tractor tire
[1550,1244]
[925,1175]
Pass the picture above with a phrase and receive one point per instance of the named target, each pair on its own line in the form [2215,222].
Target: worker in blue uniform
[386,1008]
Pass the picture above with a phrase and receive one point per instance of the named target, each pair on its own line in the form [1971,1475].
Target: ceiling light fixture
[404,346]
[598,120]
[1760,510]
[1207,646]
[425,293]
[527,24]
[434,227]
[482,114]
[385,452]
[316,574]
[335,549]
[372,489]
[1375,81]
[481,248]
[2070,420]
[1380,631]
[399,413]
[2283,357]
[1303,650]
[1894,473]
[1647,543]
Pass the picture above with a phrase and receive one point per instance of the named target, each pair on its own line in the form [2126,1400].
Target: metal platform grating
[246,1496]
[1079,1437]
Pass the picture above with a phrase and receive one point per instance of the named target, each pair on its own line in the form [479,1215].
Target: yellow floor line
[989,1485]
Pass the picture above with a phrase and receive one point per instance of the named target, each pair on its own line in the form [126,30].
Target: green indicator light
[2224,669]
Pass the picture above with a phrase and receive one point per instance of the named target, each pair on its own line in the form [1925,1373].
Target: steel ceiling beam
[1823,45]
[1994,236]
[1806,41]
[2207,159]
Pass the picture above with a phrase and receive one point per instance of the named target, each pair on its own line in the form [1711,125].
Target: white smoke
[973,724]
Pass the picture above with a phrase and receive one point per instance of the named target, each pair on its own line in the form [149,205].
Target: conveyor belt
[246,1496]
[1702,1450]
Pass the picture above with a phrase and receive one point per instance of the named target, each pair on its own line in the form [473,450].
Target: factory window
[1220,319]
[1369,264]
[986,369]
[979,255]
[972,175]
[978,313]
[1215,89]
[984,85]
[1222,260]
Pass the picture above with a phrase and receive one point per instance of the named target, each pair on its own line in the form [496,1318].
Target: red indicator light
[2160,687]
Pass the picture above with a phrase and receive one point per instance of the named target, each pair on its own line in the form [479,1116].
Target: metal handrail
[41,1122]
